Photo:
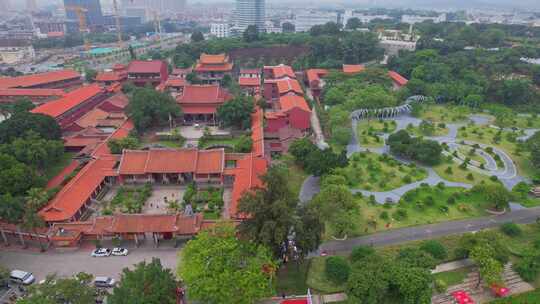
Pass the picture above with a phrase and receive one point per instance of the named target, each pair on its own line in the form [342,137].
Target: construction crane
[118,29]
[83,27]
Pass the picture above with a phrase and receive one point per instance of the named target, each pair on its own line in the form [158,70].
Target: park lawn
[415,131]
[172,143]
[377,125]
[372,218]
[453,277]
[373,172]
[292,278]
[469,152]
[485,135]
[316,279]
[526,122]
[297,175]
[459,175]
[445,114]
[220,142]
[55,168]
[370,141]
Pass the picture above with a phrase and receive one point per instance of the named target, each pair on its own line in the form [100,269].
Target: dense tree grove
[148,107]
[425,151]
[236,112]
[146,283]
[217,267]
[22,122]
[329,46]
[314,160]
[76,290]
[274,213]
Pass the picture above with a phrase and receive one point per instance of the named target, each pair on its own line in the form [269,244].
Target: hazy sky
[435,4]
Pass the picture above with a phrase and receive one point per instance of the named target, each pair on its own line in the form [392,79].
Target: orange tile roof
[203,94]
[289,102]
[274,115]
[59,178]
[314,75]
[91,118]
[32,92]
[213,59]
[69,101]
[353,68]
[144,67]
[192,109]
[250,71]
[397,78]
[76,142]
[281,71]
[175,82]
[247,177]
[111,76]
[289,85]
[249,81]
[28,81]
[135,162]
[210,161]
[225,67]
[121,132]
[73,196]
[257,133]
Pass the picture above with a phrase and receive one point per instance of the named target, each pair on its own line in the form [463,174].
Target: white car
[101,252]
[119,251]
[22,277]
[104,282]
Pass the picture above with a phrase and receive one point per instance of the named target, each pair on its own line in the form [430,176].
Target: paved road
[70,263]
[403,235]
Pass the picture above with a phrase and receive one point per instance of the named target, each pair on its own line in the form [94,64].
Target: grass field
[506,143]
[438,131]
[445,114]
[458,174]
[382,126]
[453,277]
[369,171]
[317,279]
[292,278]
[470,152]
[297,176]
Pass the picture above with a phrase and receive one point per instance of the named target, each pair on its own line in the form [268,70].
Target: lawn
[220,142]
[439,130]
[457,174]
[380,126]
[452,277]
[507,143]
[530,297]
[370,140]
[373,172]
[297,176]
[317,280]
[445,114]
[55,168]
[292,278]
[470,152]
[425,205]
[130,199]
[526,122]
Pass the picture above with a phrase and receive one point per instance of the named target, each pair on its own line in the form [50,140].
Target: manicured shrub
[384,215]
[448,171]
[511,229]
[470,176]
[494,178]
[360,252]
[400,214]
[429,201]
[444,209]
[407,179]
[528,267]
[440,286]
[337,269]
[451,200]
[435,248]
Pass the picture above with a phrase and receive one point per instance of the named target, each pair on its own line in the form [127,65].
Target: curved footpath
[402,235]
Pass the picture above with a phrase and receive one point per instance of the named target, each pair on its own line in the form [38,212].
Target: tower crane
[83,27]
[118,29]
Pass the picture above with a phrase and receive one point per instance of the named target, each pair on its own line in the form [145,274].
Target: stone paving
[157,203]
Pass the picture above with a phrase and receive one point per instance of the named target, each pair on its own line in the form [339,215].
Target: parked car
[22,277]
[119,251]
[104,282]
[101,252]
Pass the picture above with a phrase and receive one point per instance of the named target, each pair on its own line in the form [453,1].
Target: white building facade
[250,12]
[220,30]
[305,21]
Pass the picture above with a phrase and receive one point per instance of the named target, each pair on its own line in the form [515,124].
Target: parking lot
[70,263]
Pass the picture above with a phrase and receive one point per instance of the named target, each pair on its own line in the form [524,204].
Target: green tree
[4,276]
[244,144]
[414,257]
[148,107]
[90,74]
[15,177]
[77,290]
[336,205]
[197,36]
[22,122]
[218,268]
[31,220]
[337,269]
[490,269]
[273,213]
[369,281]
[118,145]
[146,283]
[251,34]
[21,105]
[412,284]
[533,145]
[353,23]
[435,248]
[237,112]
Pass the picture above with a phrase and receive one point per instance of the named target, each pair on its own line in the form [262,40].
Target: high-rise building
[304,21]
[94,15]
[250,12]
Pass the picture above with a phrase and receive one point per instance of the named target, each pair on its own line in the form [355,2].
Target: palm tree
[35,199]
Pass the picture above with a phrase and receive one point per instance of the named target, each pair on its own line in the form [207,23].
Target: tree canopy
[148,107]
[315,161]
[76,290]
[146,283]
[274,214]
[237,112]
[425,151]
[22,122]
[219,268]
